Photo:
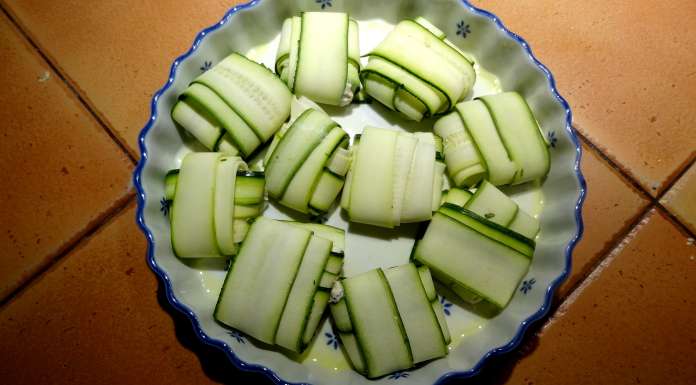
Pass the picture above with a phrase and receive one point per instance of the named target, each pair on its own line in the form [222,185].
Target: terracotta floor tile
[95,318]
[117,58]
[681,198]
[627,69]
[631,322]
[611,205]
[62,171]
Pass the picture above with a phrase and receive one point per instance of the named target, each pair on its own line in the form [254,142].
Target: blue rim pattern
[242,365]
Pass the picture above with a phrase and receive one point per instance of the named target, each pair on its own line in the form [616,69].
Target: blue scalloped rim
[270,373]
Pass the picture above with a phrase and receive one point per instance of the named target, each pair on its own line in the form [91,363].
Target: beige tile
[631,322]
[117,53]
[680,200]
[94,319]
[627,69]
[62,171]
[611,205]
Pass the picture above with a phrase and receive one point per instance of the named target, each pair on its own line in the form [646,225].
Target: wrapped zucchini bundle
[492,204]
[394,178]
[417,71]
[495,137]
[275,291]
[488,261]
[319,57]
[234,107]
[389,319]
[213,196]
[307,160]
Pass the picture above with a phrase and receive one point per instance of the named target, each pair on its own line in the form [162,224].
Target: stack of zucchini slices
[389,319]
[274,290]
[494,137]
[234,107]
[417,71]
[307,160]
[393,179]
[213,196]
[479,243]
[498,238]
[333,37]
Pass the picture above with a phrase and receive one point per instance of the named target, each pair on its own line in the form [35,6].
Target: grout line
[54,67]
[642,214]
[654,200]
[664,210]
[79,238]
[615,242]
[677,176]
[613,164]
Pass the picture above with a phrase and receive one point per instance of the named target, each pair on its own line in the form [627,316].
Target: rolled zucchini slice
[394,178]
[234,107]
[272,291]
[299,164]
[389,321]
[521,134]
[494,262]
[415,70]
[207,219]
[319,57]
[496,138]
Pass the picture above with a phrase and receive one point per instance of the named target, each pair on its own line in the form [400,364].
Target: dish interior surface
[502,63]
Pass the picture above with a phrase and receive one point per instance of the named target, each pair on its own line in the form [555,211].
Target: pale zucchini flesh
[339,313]
[307,132]
[323,35]
[299,191]
[373,166]
[417,204]
[249,188]
[521,134]
[420,322]
[456,196]
[350,344]
[226,176]
[272,250]
[239,132]
[440,313]
[482,128]
[321,300]
[489,267]
[376,324]
[492,204]
[335,263]
[327,189]
[334,234]
[193,210]
[464,164]
[427,281]
[525,225]
[199,124]
[301,298]
[252,91]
